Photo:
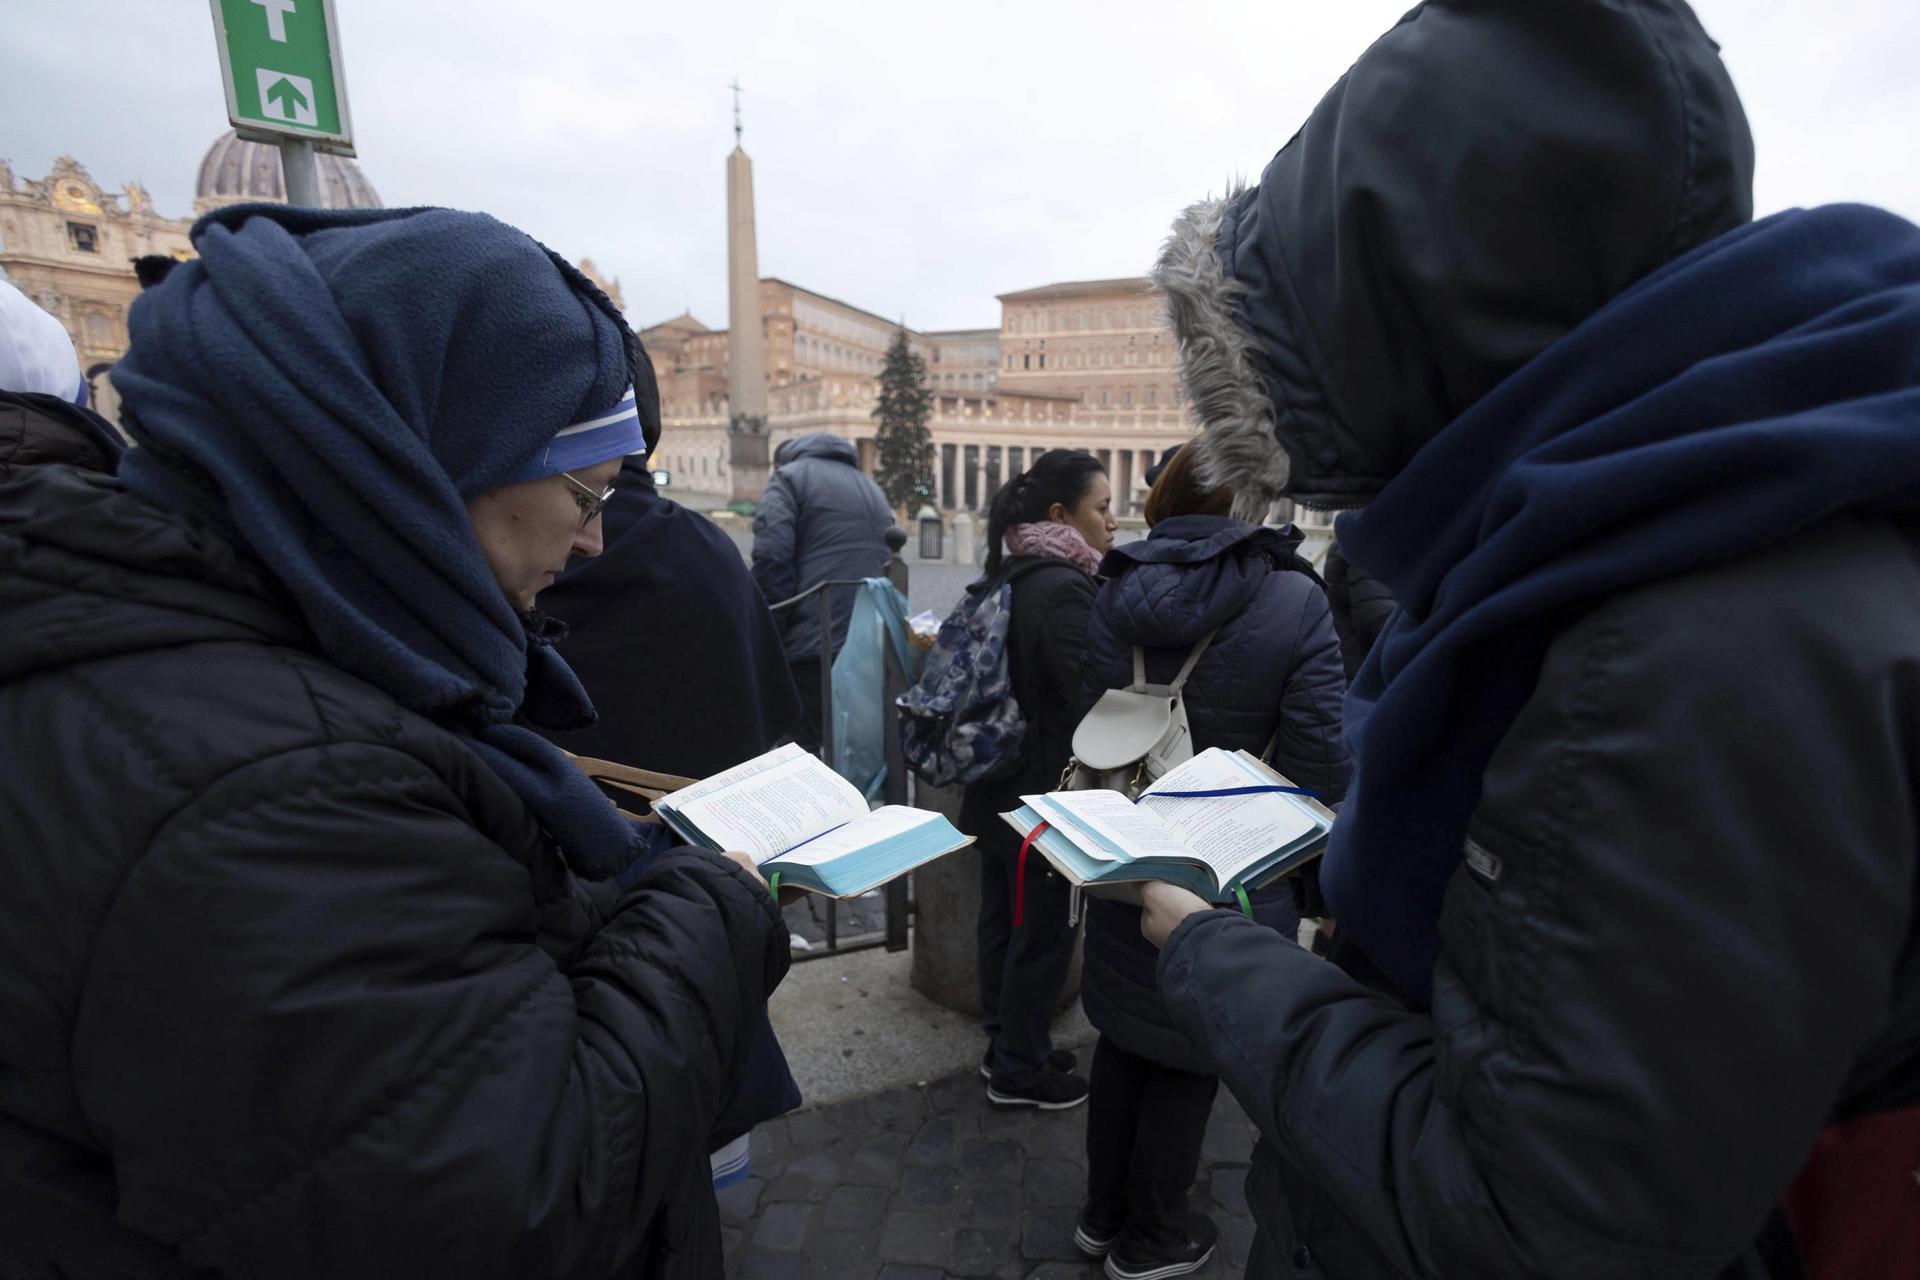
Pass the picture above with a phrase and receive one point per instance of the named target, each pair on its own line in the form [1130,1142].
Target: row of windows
[808,316]
[1068,321]
[977,381]
[826,354]
[1083,359]
[1151,398]
[971,353]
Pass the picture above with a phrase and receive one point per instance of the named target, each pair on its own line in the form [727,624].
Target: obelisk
[746,340]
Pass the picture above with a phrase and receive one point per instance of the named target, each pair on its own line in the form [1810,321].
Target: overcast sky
[915,160]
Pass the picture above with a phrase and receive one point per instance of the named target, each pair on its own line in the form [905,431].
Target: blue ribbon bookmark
[804,843]
[1263,789]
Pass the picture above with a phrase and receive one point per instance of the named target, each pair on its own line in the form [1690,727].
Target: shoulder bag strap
[1186,669]
[644,783]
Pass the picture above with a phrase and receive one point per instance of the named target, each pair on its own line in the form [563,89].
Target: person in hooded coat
[1270,683]
[1047,529]
[43,395]
[1634,815]
[672,640]
[311,962]
[822,519]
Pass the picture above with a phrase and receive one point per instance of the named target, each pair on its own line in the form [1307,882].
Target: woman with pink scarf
[1047,530]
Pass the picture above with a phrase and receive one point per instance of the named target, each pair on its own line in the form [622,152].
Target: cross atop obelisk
[737,128]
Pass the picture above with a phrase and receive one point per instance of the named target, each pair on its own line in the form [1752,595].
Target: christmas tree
[904,465]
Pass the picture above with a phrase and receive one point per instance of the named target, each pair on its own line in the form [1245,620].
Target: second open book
[1221,821]
[795,816]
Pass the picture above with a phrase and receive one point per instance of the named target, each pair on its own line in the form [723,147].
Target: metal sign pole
[301,169]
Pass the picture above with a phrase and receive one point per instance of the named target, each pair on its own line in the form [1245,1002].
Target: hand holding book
[1164,907]
[801,823]
[1219,824]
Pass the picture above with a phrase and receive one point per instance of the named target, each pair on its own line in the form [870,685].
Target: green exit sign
[281,63]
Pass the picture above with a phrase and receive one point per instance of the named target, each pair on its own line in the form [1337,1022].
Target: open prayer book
[802,821]
[1221,822]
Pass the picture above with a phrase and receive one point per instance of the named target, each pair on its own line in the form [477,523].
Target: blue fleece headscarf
[330,388]
[1737,396]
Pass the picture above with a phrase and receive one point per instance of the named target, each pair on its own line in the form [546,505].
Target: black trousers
[806,680]
[1022,968]
[1145,1127]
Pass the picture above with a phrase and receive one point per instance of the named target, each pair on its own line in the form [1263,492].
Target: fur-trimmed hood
[1485,177]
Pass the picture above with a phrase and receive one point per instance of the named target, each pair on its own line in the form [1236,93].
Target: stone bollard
[963,525]
[932,534]
[946,897]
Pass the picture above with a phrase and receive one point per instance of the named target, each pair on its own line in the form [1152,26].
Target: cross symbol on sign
[277,11]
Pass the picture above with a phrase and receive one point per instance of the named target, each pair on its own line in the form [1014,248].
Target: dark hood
[1188,576]
[821,444]
[1485,177]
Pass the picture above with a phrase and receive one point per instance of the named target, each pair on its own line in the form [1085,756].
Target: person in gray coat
[822,519]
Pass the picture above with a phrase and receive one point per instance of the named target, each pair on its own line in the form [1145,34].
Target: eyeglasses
[587,500]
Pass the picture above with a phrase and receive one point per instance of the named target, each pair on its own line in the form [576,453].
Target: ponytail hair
[1058,475]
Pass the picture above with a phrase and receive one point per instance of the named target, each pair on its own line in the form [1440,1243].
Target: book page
[870,829]
[770,804]
[1235,831]
[1115,820]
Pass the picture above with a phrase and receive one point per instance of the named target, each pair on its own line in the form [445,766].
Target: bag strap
[1186,668]
[645,783]
[1193,660]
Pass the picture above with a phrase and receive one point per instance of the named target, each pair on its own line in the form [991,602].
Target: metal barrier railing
[898,904]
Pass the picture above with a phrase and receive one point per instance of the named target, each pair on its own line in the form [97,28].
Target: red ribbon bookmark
[1020,876]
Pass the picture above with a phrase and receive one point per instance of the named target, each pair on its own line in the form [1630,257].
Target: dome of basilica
[236,170]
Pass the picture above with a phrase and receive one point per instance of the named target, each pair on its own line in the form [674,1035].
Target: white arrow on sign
[277,11]
[285,96]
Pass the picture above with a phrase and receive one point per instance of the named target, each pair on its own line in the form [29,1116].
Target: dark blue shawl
[1731,399]
[330,388]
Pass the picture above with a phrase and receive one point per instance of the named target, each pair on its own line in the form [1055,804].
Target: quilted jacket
[291,985]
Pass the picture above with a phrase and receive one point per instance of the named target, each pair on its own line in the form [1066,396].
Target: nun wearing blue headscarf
[312,957]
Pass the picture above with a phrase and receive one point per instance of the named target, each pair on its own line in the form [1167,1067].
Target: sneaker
[1123,1263]
[1091,1240]
[1059,1060]
[1055,1091]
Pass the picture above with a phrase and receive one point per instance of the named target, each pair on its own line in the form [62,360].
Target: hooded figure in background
[1634,820]
[311,962]
[822,519]
[672,639]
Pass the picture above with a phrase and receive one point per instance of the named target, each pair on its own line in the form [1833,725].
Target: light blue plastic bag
[860,683]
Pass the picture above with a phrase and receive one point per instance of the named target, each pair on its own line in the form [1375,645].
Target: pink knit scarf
[1051,538]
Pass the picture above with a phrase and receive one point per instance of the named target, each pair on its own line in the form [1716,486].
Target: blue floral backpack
[960,722]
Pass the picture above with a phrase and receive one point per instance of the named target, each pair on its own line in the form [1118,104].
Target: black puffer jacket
[1670,951]
[1046,653]
[1361,606]
[1270,674]
[291,983]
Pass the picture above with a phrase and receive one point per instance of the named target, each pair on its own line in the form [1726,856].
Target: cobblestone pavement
[929,1182]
